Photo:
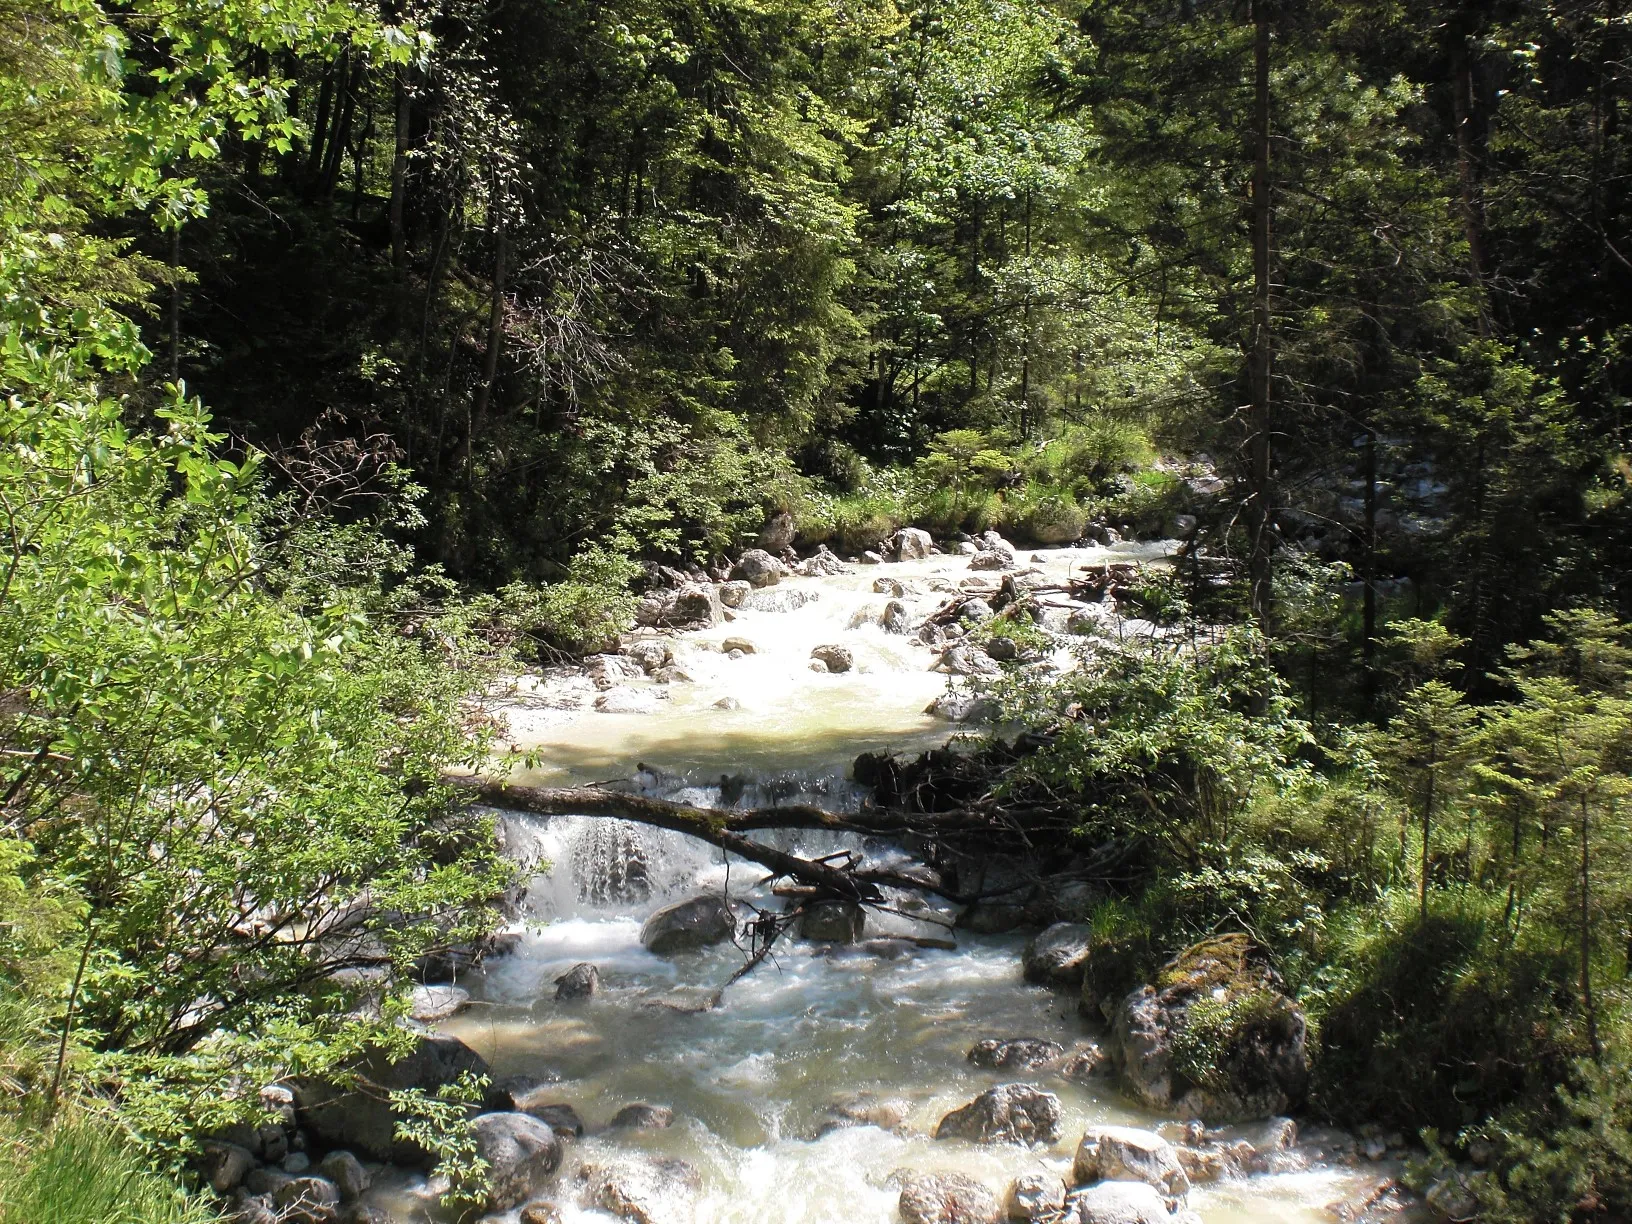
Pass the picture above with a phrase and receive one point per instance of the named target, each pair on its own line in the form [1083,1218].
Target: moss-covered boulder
[1214,1037]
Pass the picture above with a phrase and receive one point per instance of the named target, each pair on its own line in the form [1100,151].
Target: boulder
[695,922]
[890,587]
[562,1119]
[896,619]
[739,643]
[912,544]
[296,1163]
[645,1190]
[225,1165]
[641,1116]
[947,1198]
[964,659]
[250,1208]
[1076,900]
[975,611]
[521,1154]
[816,665]
[963,708]
[733,593]
[757,568]
[1016,1052]
[579,982]
[822,564]
[1084,1064]
[1057,955]
[987,559]
[627,701]
[1259,1063]
[1119,1202]
[777,533]
[832,922]
[697,605]
[307,1200]
[1036,1198]
[539,1213]
[428,1004]
[610,670]
[347,1173]
[865,1109]
[728,703]
[1125,1153]
[837,658]
[362,1121]
[510,1094]
[266,1180]
[871,558]
[649,654]
[992,917]
[1009,1113]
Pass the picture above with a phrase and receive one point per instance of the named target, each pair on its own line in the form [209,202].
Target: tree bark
[1261,512]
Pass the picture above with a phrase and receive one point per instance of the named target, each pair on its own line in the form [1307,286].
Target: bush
[1089,456]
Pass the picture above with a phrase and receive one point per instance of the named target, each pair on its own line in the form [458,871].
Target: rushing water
[752,1081]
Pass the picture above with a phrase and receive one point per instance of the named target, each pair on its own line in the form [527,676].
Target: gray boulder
[896,618]
[250,1208]
[777,533]
[347,1173]
[779,601]
[733,593]
[739,643]
[643,1190]
[966,660]
[946,1198]
[1000,1053]
[697,605]
[1009,1113]
[560,1118]
[832,922]
[1036,1198]
[362,1120]
[428,1004]
[963,708]
[307,1200]
[641,1116]
[627,701]
[521,1154]
[1124,1153]
[912,544]
[225,1165]
[579,982]
[757,568]
[990,559]
[1058,954]
[695,922]
[649,654]
[822,564]
[890,587]
[1119,1202]
[837,658]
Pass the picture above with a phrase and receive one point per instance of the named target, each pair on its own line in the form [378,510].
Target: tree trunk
[495,341]
[399,174]
[1260,519]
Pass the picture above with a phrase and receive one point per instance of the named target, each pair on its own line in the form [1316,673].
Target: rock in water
[946,1198]
[777,533]
[1018,1052]
[1009,1113]
[562,1119]
[641,1116]
[307,1200]
[739,643]
[779,601]
[363,1121]
[347,1173]
[963,708]
[695,922]
[626,701]
[896,618]
[757,568]
[733,593]
[1036,1198]
[912,544]
[1120,1202]
[832,922]
[837,658]
[890,587]
[521,1153]
[646,1190]
[1058,954]
[1124,1153]
[428,1004]
[1261,1066]
[579,982]
[697,605]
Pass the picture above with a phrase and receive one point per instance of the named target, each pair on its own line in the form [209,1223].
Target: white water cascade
[752,1082]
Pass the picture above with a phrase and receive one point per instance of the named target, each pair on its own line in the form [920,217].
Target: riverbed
[755,1084]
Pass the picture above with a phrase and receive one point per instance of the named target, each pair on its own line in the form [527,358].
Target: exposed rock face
[757,568]
[896,618]
[890,587]
[693,923]
[833,922]
[521,1153]
[363,1122]
[1015,1052]
[777,533]
[428,1004]
[643,1190]
[1009,1113]
[1263,1066]
[837,658]
[966,660]
[579,982]
[1123,1153]
[912,544]
[947,1198]
[562,1119]
[1036,1198]
[641,1116]
[733,593]
[1056,956]
[1120,1202]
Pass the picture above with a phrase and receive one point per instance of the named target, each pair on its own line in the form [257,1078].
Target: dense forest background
[497,309]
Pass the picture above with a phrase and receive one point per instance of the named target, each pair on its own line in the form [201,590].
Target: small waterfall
[609,863]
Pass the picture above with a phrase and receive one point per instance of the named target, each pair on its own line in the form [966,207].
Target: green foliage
[441,1125]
